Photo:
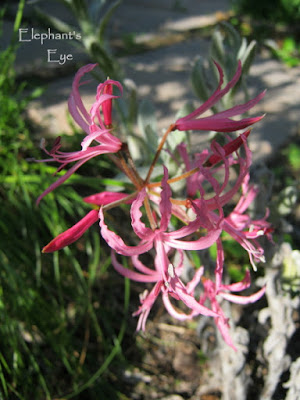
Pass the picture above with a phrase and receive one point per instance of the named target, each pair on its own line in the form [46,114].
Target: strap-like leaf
[106,18]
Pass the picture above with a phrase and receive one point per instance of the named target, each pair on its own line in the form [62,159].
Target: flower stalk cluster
[168,225]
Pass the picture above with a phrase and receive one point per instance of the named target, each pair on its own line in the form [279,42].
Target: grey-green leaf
[198,78]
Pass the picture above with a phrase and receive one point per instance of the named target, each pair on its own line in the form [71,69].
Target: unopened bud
[107,106]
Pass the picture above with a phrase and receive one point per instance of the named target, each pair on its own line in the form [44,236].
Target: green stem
[171,128]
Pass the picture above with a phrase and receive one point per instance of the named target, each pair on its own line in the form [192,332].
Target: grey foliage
[280,313]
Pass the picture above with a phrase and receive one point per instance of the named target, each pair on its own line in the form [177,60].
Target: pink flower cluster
[200,211]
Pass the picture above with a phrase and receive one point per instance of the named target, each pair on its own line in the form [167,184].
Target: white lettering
[35,36]
[44,36]
[61,59]
[49,52]
[21,31]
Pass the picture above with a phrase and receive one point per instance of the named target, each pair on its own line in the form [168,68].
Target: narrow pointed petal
[71,235]
[241,108]
[61,180]
[141,267]
[246,200]
[223,327]
[202,221]
[104,101]
[81,157]
[146,306]
[102,136]
[103,198]
[220,122]
[244,165]
[193,304]
[191,285]
[217,125]
[219,264]
[76,115]
[238,286]
[192,227]
[203,243]
[107,105]
[172,311]
[128,273]
[76,107]
[216,96]
[244,299]
[161,259]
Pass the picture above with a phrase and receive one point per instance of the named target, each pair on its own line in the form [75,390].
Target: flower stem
[132,165]
[149,214]
[119,202]
[176,178]
[159,149]
[131,173]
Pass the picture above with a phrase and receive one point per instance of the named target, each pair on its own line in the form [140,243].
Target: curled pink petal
[81,157]
[238,286]
[142,267]
[116,243]
[192,303]
[244,299]
[147,303]
[172,311]
[138,226]
[191,285]
[76,107]
[199,244]
[107,143]
[135,276]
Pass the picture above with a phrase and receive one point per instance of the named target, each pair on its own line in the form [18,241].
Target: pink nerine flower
[246,230]
[221,121]
[213,290]
[91,123]
[237,224]
[150,238]
[166,274]
[169,224]
[167,283]
[209,175]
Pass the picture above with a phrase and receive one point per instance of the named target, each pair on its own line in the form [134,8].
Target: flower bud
[107,106]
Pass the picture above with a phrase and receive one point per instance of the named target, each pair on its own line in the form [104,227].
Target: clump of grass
[57,334]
